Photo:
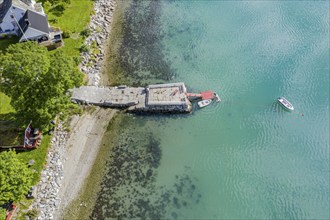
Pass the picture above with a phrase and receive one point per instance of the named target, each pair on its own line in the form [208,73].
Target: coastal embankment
[74,148]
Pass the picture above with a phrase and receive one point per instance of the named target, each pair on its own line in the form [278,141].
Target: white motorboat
[204,103]
[217,97]
[285,103]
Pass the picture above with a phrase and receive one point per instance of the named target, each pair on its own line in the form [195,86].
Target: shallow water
[245,157]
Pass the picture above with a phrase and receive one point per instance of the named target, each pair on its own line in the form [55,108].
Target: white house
[33,26]
[27,20]
[11,11]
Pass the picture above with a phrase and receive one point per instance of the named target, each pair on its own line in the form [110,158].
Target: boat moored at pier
[204,103]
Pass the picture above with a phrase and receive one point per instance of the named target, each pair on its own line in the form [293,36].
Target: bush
[2,214]
[66,34]
[86,32]
[33,214]
[47,5]
[15,177]
[54,20]
[77,60]
[84,48]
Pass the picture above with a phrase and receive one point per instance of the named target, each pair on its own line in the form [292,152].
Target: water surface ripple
[246,157]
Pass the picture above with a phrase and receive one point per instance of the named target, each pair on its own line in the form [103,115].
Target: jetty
[160,98]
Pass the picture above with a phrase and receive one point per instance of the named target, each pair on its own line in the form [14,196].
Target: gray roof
[5,5]
[34,20]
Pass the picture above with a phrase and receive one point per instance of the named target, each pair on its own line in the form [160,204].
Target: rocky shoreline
[100,26]
[46,192]
[47,199]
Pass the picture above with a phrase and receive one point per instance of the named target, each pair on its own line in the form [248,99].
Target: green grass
[38,155]
[74,19]
[5,106]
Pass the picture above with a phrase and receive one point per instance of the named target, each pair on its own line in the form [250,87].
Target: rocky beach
[73,150]
[100,26]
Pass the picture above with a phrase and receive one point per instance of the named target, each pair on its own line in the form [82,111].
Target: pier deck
[153,98]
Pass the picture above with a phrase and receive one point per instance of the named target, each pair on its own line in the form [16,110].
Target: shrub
[86,32]
[66,34]
[76,60]
[47,5]
[33,214]
[98,29]
[84,48]
[54,20]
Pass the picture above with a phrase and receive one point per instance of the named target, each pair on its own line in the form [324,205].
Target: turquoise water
[246,157]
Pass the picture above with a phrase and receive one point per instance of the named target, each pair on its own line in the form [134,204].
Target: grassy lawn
[38,155]
[74,19]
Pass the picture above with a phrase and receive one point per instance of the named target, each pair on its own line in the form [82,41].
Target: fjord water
[246,157]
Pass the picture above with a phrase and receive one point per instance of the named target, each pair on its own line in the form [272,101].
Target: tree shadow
[6,41]
[8,117]
[58,10]
[11,132]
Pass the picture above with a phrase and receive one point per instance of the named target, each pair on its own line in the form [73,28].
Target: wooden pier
[169,97]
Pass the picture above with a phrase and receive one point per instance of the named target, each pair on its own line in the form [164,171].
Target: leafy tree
[47,5]
[37,81]
[2,213]
[15,177]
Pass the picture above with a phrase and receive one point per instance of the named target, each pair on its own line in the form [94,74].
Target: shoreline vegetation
[11,133]
[83,204]
[68,156]
[78,149]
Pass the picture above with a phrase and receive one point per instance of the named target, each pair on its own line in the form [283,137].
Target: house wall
[32,34]
[9,23]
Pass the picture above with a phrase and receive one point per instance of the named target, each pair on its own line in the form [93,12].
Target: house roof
[34,20]
[4,7]
[6,4]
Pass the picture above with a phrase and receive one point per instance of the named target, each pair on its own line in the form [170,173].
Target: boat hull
[204,103]
[285,104]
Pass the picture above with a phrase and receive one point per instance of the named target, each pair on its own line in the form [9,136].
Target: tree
[15,177]
[37,81]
